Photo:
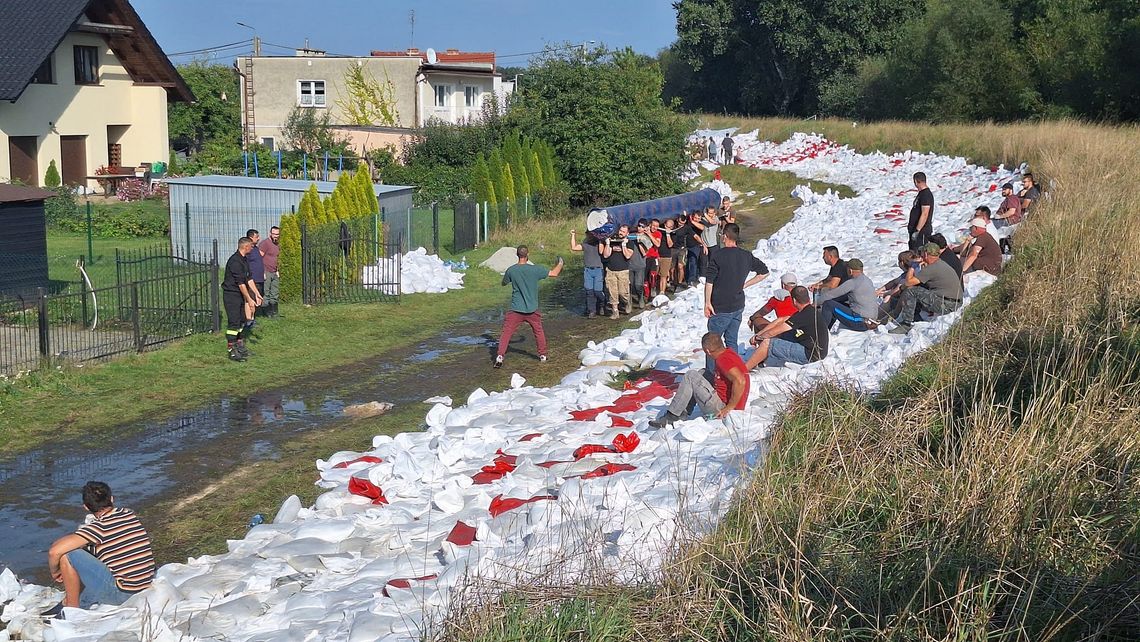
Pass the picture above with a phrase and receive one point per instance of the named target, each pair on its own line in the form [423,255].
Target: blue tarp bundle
[604,222]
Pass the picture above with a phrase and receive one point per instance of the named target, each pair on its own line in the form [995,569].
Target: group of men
[721,152]
[930,281]
[251,282]
[631,268]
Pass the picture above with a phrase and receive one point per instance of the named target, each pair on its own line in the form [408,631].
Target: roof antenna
[412,19]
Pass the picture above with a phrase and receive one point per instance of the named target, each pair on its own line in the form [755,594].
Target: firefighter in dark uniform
[239,297]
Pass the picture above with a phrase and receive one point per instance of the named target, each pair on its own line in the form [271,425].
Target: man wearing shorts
[106,560]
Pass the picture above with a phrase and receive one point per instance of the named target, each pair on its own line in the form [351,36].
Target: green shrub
[62,210]
[552,201]
[63,213]
[51,177]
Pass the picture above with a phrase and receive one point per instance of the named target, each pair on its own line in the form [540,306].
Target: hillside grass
[989,492]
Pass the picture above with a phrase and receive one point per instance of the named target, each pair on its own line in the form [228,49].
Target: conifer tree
[367,190]
[289,261]
[522,181]
[51,177]
[537,180]
[496,166]
[480,178]
[508,186]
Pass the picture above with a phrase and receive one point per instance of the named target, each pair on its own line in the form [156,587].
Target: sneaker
[242,350]
[54,613]
[665,420]
[498,361]
[542,358]
[900,329]
[235,355]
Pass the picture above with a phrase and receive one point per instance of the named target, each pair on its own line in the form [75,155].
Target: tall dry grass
[991,491]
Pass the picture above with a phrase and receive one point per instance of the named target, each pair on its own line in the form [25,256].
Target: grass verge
[990,491]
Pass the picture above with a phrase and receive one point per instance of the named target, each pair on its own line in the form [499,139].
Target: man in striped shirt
[104,561]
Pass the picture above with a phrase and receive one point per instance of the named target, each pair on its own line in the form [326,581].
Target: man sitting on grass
[801,339]
[727,391]
[781,303]
[940,291]
[862,303]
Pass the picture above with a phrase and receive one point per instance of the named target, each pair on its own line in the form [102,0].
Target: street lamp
[256,40]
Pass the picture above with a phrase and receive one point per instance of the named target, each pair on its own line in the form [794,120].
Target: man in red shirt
[783,306]
[727,392]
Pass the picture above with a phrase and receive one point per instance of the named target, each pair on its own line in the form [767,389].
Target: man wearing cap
[780,303]
[983,252]
[921,222]
[940,291]
[801,339]
[862,303]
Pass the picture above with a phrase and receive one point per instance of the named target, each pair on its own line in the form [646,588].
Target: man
[694,248]
[270,249]
[257,274]
[617,252]
[801,339]
[523,279]
[946,254]
[666,252]
[1029,195]
[652,245]
[837,273]
[106,560]
[637,264]
[593,275]
[727,214]
[781,303]
[727,144]
[862,302]
[983,252]
[711,149]
[710,237]
[1009,212]
[892,290]
[940,291]
[727,390]
[239,298]
[725,281]
[921,223]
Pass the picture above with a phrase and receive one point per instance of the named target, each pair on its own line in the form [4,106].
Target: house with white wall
[82,83]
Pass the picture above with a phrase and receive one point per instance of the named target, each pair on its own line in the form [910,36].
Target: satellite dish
[431,57]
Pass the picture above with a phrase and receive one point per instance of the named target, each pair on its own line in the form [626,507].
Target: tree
[309,130]
[480,178]
[773,57]
[490,198]
[508,186]
[534,170]
[495,167]
[215,113]
[366,100]
[364,179]
[602,112]
[51,176]
[289,261]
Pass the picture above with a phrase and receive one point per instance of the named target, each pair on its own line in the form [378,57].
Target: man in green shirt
[523,279]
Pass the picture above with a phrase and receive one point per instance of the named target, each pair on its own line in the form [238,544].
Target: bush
[51,177]
[63,213]
[62,209]
[552,201]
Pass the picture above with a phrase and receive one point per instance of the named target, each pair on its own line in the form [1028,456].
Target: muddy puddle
[152,461]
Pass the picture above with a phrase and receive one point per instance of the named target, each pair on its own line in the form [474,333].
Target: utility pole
[256,47]
[412,19]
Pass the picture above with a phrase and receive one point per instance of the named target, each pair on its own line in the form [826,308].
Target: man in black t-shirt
[725,280]
[616,253]
[921,223]
[836,275]
[239,298]
[802,339]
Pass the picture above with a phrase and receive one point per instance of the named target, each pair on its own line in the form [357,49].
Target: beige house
[451,86]
[84,84]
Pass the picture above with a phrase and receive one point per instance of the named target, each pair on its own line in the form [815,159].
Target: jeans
[513,320]
[782,352]
[727,325]
[693,264]
[98,583]
[594,280]
[695,388]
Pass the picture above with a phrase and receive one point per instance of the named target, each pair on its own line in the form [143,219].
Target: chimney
[452,51]
[412,51]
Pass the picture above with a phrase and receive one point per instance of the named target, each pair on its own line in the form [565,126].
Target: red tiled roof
[448,56]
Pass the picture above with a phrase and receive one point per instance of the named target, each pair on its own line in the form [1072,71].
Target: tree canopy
[215,115]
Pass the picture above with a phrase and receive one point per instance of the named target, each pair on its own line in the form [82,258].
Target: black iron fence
[351,261]
[465,226]
[158,298]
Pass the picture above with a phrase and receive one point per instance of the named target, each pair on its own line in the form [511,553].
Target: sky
[356,27]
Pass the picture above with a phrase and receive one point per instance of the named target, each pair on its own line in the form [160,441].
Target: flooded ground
[155,461]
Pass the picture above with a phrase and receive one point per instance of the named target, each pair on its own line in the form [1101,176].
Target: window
[86,65]
[311,93]
[44,75]
[267,142]
[442,96]
[471,96]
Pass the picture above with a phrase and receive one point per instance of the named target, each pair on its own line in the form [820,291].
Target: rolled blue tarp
[603,222]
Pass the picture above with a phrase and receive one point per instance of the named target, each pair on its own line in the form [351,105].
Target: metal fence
[465,227]
[351,261]
[200,225]
[159,298]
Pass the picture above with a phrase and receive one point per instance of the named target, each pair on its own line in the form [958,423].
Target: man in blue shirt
[523,278]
